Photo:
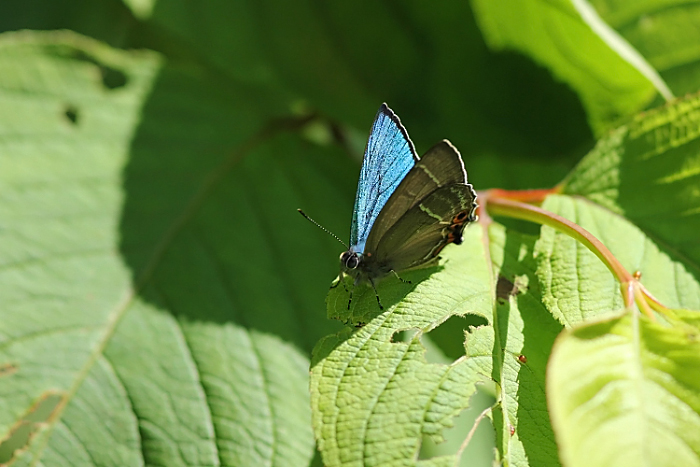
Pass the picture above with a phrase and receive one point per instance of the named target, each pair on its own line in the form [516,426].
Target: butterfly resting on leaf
[407,209]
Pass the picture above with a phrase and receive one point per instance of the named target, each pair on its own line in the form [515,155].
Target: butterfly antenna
[323,228]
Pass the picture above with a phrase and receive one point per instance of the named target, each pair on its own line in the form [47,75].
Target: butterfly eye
[350,260]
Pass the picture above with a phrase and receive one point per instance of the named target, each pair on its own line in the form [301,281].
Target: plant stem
[526,196]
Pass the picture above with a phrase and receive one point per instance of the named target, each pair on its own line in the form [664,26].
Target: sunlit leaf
[624,391]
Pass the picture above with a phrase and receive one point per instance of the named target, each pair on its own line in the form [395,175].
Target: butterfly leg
[376,294]
[350,298]
[399,277]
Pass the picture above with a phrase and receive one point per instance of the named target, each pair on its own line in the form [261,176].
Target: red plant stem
[526,196]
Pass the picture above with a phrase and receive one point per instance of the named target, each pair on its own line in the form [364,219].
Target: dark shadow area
[209,226]
[505,113]
[528,99]
[109,21]
[483,101]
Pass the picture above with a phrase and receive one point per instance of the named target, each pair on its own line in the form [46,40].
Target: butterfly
[407,209]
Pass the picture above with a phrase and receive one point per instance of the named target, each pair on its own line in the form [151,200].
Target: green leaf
[664,33]
[648,171]
[624,391]
[147,276]
[555,35]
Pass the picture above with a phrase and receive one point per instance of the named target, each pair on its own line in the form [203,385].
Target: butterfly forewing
[424,230]
[389,156]
[440,166]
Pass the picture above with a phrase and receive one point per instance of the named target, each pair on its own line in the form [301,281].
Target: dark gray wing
[425,229]
[440,166]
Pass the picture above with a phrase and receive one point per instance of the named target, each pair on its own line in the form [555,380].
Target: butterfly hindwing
[424,230]
[440,166]
[389,156]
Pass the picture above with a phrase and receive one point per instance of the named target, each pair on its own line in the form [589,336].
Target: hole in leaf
[71,114]
[449,336]
[21,433]
[111,77]
[403,336]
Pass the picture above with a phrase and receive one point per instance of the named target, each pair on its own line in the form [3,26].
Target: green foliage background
[160,297]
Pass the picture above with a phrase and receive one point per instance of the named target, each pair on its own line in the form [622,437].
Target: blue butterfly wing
[389,156]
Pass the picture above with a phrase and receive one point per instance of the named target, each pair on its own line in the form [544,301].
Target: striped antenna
[323,228]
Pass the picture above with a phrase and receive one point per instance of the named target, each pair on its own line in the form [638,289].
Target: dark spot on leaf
[7,369]
[111,77]
[71,114]
[23,430]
